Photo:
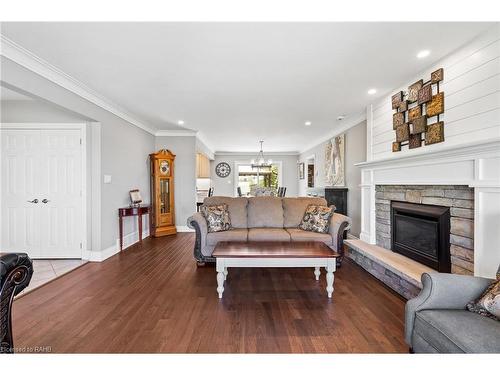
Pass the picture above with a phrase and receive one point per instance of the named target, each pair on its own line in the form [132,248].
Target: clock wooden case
[162,193]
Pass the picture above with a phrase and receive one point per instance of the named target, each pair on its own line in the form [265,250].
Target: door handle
[33,201]
[45,200]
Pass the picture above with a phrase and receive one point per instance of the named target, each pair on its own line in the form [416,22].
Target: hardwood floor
[152,298]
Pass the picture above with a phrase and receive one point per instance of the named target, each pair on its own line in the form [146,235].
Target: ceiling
[237,83]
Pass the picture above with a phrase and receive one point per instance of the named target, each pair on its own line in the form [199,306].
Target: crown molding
[345,125]
[175,133]
[32,62]
[186,133]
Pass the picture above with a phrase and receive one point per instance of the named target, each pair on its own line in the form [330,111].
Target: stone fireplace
[455,202]
[462,181]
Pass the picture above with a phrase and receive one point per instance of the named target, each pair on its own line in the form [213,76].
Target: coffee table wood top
[273,250]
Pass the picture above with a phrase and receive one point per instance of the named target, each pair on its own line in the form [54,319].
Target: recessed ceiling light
[372,91]
[180,122]
[423,53]
[308,123]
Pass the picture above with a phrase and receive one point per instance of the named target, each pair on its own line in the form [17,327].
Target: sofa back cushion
[265,212]
[237,208]
[294,208]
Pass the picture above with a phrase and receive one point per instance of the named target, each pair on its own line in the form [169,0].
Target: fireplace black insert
[422,233]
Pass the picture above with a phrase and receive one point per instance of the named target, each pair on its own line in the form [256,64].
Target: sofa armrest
[339,225]
[443,291]
[198,222]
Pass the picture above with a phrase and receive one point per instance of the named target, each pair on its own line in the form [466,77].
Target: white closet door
[20,225]
[60,194]
[43,167]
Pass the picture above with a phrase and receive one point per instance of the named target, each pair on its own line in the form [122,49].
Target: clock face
[164,167]
[223,169]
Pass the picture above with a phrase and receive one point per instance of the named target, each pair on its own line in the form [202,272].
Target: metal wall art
[414,109]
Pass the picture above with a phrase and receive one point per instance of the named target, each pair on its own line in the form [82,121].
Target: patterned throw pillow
[316,218]
[489,302]
[217,217]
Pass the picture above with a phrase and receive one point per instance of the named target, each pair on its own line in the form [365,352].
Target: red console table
[131,211]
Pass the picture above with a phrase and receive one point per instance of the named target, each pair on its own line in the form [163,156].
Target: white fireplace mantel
[475,164]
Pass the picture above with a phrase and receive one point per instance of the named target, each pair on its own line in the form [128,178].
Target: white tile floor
[47,270]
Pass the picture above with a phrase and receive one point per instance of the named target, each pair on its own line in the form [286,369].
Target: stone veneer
[459,198]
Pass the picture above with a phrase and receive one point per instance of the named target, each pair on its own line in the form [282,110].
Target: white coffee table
[275,254]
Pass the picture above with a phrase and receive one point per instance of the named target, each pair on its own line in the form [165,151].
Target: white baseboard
[128,240]
[183,228]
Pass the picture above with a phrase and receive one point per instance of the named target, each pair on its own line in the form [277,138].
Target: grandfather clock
[162,193]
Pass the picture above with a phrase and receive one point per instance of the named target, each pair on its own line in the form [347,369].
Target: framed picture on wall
[334,161]
[301,171]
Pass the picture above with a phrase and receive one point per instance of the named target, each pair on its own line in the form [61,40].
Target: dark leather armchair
[16,270]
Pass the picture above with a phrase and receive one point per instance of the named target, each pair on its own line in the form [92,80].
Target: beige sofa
[265,219]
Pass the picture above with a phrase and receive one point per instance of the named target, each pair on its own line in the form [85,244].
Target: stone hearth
[398,272]
[459,198]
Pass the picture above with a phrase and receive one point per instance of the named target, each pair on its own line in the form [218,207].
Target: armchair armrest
[443,291]
[339,225]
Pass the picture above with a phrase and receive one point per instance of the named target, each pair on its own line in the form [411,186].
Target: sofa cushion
[294,208]
[268,234]
[299,235]
[228,235]
[217,217]
[316,218]
[265,212]
[458,331]
[237,208]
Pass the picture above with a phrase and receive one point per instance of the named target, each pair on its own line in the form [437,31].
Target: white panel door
[46,166]
[60,193]
[19,197]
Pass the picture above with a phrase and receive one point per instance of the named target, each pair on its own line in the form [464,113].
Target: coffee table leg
[329,278]
[220,277]
[225,273]
[317,273]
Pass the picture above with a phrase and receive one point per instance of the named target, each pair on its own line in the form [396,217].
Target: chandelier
[260,162]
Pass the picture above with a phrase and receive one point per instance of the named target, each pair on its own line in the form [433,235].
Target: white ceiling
[237,83]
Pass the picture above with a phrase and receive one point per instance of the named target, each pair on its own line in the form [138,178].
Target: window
[249,178]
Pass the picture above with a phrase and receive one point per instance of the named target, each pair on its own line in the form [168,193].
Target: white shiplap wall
[471,87]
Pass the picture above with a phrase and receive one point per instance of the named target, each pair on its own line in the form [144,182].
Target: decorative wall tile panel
[414,112]
[410,124]
[436,105]
[434,133]
[398,119]
[425,94]
[418,125]
[437,75]
[413,91]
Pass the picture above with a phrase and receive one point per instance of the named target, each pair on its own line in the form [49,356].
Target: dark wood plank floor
[153,298]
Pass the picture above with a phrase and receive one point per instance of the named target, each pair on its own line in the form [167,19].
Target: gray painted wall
[124,149]
[225,186]
[184,149]
[355,152]
[37,111]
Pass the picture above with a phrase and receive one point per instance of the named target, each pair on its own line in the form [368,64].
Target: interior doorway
[43,190]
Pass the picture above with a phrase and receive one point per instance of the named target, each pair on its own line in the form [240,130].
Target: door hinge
[81,245]
[80,141]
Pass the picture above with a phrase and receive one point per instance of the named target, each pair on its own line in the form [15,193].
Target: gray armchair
[437,320]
